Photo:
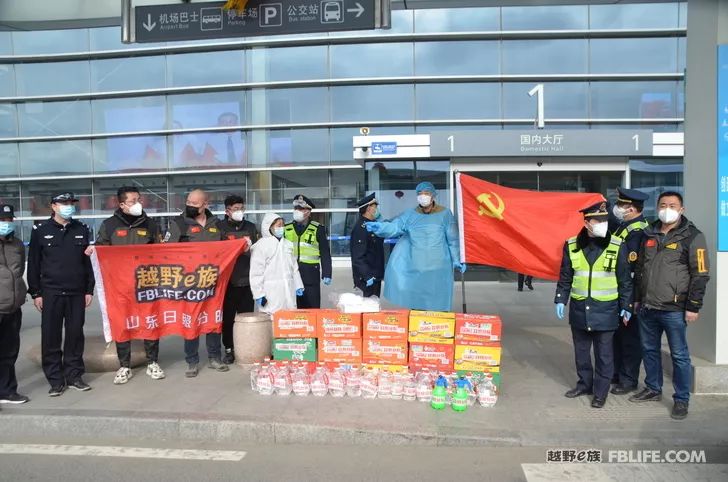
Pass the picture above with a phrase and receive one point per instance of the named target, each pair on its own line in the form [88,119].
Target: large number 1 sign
[538,92]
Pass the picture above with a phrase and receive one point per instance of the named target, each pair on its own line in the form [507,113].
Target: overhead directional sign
[194,21]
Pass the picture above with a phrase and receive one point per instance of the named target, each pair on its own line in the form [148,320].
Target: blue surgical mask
[278,232]
[66,211]
[6,227]
[377,214]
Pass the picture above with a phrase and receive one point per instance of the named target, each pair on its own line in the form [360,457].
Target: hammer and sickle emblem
[489,208]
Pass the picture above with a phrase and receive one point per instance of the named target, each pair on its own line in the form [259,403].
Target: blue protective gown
[419,274]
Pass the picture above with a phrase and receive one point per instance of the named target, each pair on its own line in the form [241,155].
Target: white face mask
[135,209]
[619,212]
[237,216]
[298,215]
[278,232]
[668,215]
[599,230]
[424,200]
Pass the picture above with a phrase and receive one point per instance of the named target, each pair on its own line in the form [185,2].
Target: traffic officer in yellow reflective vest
[627,348]
[367,249]
[197,224]
[596,282]
[311,249]
[131,225]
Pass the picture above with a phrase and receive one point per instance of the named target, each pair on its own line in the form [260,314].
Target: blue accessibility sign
[384,148]
[723,147]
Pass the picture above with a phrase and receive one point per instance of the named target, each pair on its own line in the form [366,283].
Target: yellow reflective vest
[597,281]
[305,247]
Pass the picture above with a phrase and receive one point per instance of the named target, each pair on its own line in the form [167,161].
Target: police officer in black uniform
[61,282]
[128,226]
[311,249]
[367,249]
[238,297]
[627,347]
[596,282]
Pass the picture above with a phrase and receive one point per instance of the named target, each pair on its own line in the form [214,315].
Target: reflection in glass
[381,102]
[347,187]
[561,56]
[47,158]
[461,101]
[371,60]
[132,114]
[287,147]
[209,149]
[653,176]
[218,186]
[55,118]
[402,22]
[130,154]
[207,110]
[37,195]
[638,100]
[479,57]
[649,55]
[288,106]
[634,15]
[52,78]
[552,17]
[6,43]
[286,63]
[8,159]
[562,100]
[7,80]
[457,20]
[205,68]
[394,183]
[8,121]
[153,192]
[130,73]
[33,42]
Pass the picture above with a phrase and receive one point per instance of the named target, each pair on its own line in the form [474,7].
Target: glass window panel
[347,187]
[371,60]
[429,129]
[205,68]
[402,22]
[47,158]
[7,80]
[634,15]
[55,118]
[340,226]
[288,106]
[10,194]
[650,55]
[218,186]
[130,154]
[207,110]
[683,15]
[6,43]
[461,101]
[287,63]
[37,195]
[312,183]
[8,120]
[52,78]
[8,159]
[209,150]
[342,140]
[153,191]
[289,147]
[558,181]
[562,100]
[130,73]
[372,102]
[653,176]
[479,57]
[567,56]
[681,98]
[457,20]
[395,181]
[109,38]
[567,17]
[50,41]
[129,114]
[682,49]
[633,100]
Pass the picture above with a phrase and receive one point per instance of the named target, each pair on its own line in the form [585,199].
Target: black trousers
[599,377]
[123,351]
[59,311]
[311,276]
[9,349]
[521,278]
[373,290]
[238,299]
[627,353]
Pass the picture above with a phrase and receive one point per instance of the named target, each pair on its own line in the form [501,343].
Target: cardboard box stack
[294,335]
[385,340]
[339,337]
[431,337]
[478,344]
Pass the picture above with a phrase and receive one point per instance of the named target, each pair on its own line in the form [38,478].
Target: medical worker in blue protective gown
[419,273]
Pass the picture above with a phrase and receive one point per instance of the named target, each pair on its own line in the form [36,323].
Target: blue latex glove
[327,281]
[261,301]
[372,226]
[560,310]
[625,314]
[462,267]
[371,281]
[299,292]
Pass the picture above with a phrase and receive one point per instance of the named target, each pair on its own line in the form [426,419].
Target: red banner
[520,230]
[154,290]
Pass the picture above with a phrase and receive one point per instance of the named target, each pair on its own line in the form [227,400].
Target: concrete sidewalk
[537,368]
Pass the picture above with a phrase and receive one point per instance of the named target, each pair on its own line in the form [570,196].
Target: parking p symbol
[271,14]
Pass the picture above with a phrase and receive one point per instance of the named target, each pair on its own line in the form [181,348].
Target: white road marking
[129,452]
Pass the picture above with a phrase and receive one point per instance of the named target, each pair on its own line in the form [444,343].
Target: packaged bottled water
[487,392]
[264,381]
[397,386]
[424,386]
[353,382]
[410,388]
[282,381]
[385,384]
[336,383]
[319,386]
[301,383]
[369,386]
[254,376]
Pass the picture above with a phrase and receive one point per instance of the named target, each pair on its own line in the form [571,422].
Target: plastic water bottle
[424,386]
[487,392]
[369,384]
[439,394]
[336,383]
[254,376]
[353,382]
[410,388]
[398,386]
[301,384]
[319,387]
[264,381]
[385,384]
[282,381]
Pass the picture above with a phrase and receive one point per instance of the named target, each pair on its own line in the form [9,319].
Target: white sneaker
[155,371]
[123,375]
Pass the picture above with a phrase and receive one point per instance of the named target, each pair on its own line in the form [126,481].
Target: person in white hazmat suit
[274,278]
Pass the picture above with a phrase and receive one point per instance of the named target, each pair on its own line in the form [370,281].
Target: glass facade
[269,122]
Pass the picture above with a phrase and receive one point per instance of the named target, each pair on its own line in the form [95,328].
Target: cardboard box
[478,328]
[340,350]
[295,324]
[386,325]
[436,356]
[478,375]
[431,326]
[388,352]
[334,324]
[294,349]
[389,368]
[476,358]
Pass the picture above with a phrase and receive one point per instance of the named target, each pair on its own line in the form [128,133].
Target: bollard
[252,336]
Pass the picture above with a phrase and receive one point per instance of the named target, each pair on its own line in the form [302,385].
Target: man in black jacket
[61,282]
[238,297]
[671,277]
[367,249]
[128,226]
[12,297]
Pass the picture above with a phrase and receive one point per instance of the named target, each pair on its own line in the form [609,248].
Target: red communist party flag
[154,290]
[520,230]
